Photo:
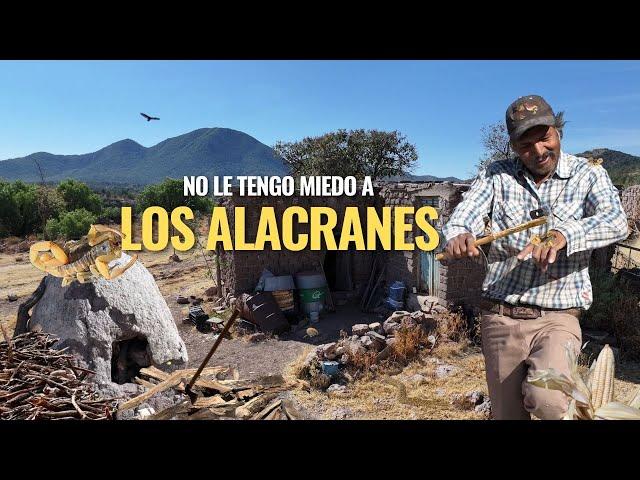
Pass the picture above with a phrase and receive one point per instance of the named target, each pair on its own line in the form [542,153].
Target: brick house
[459,284]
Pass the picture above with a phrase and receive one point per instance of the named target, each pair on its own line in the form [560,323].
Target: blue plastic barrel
[396,292]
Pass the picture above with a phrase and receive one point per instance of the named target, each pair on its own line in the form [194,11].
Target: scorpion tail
[116,272]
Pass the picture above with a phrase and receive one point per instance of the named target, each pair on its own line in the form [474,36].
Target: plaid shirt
[587,212]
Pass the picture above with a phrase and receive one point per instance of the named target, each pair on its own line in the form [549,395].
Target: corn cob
[602,379]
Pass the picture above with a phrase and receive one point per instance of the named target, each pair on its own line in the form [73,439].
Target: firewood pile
[216,398]
[38,382]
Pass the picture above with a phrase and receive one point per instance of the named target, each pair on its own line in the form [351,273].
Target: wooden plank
[186,375]
[144,383]
[173,380]
[276,414]
[246,394]
[206,402]
[158,374]
[254,405]
[267,410]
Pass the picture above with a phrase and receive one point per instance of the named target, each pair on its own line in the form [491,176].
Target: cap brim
[547,120]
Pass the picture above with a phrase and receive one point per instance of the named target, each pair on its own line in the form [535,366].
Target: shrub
[70,225]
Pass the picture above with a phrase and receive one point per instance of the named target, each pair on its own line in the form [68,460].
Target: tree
[169,195]
[360,153]
[77,195]
[496,144]
[70,225]
[18,208]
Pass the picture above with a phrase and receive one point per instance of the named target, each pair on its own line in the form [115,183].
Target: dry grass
[373,397]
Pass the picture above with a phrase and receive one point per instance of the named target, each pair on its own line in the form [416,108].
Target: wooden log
[290,411]
[144,383]
[186,374]
[276,414]
[173,380]
[206,402]
[267,410]
[254,405]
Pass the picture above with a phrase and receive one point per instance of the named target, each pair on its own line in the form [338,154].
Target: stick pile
[239,399]
[38,382]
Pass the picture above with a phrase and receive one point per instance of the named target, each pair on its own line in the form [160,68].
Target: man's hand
[545,252]
[462,246]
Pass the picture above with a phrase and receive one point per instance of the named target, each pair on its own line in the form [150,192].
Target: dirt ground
[368,398]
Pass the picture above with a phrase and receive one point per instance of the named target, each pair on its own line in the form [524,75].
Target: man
[534,292]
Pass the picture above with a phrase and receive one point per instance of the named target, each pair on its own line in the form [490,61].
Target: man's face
[539,150]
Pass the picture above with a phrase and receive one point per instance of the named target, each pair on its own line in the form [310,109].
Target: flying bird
[148,117]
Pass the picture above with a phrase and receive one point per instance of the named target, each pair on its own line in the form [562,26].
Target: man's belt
[524,311]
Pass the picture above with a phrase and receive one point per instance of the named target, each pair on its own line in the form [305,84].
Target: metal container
[330,368]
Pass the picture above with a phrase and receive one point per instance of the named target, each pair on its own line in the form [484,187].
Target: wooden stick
[503,233]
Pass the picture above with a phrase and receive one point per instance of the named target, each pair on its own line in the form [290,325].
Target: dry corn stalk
[591,400]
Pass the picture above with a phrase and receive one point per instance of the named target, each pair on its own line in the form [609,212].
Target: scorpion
[82,260]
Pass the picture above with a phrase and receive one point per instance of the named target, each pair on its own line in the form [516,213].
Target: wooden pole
[509,231]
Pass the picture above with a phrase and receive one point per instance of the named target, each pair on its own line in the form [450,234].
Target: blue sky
[71,107]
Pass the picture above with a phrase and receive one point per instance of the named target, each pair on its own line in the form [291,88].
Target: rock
[12,298]
[354,338]
[409,322]
[443,371]
[257,337]
[429,301]
[356,347]
[432,340]
[390,341]
[384,353]
[336,388]
[232,301]
[110,317]
[182,300]
[366,341]
[474,398]
[211,292]
[439,309]
[341,350]
[329,349]
[145,412]
[376,327]
[390,326]
[197,301]
[344,359]
[440,392]
[484,408]
[378,340]
[360,329]
[174,258]
[308,362]
[418,316]
[19,259]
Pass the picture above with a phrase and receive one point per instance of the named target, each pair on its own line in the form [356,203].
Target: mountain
[207,151]
[422,178]
[624,169]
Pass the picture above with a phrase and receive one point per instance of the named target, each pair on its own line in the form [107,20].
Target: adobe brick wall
[242,269]
[461,281]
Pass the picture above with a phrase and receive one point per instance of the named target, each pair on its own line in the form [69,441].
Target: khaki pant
[512,348]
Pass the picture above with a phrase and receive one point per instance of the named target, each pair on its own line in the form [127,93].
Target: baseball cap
[526,112]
